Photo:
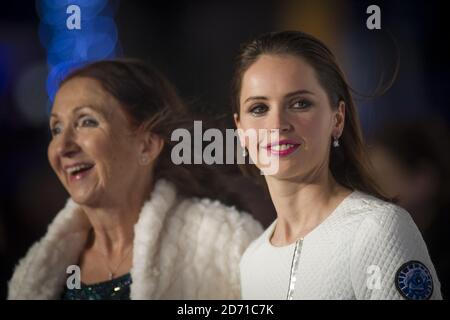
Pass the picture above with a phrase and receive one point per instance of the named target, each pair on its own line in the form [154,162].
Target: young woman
[335,236]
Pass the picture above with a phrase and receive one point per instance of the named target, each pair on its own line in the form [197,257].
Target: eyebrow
[286,96]
[77,109]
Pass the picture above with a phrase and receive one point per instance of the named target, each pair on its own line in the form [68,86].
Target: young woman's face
[93,151]
[282,92]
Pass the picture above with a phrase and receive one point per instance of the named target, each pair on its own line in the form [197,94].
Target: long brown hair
[349,164]
[152,103]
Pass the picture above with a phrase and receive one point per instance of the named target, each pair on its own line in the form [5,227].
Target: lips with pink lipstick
[282,148]
[78,171]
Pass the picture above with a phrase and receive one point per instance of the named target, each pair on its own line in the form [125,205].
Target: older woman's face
[282,92]
[93,151]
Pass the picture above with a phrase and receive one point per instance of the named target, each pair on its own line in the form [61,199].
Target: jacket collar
[42,274]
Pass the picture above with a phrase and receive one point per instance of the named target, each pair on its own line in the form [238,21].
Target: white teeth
[78,168]
[281,147]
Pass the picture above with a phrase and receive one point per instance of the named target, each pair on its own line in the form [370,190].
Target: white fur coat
[184,248]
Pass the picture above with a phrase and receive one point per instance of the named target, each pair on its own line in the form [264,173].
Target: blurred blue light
[58,73]
[53,12]
[96,40]
[49,34]
[95,46]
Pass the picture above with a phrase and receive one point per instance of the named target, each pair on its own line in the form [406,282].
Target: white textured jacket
[184,248]
[365,249]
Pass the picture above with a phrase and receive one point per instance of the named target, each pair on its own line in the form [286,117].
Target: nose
[67,146]
[279,121]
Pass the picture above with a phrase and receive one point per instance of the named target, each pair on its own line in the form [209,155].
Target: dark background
[194,43]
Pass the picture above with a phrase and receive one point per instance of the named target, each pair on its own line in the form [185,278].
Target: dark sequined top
[115,289]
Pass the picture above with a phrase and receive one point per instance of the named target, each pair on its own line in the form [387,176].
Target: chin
[286,172]
[84,198]
[282,176]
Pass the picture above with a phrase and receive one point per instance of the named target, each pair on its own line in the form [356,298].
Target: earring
[144,159]
[244,152]
[336,142]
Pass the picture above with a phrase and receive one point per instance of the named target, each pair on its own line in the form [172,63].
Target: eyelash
[92,124]
[253,112]
[306,104]
[54,130]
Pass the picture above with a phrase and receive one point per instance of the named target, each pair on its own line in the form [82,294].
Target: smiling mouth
[80,171]
[283,148]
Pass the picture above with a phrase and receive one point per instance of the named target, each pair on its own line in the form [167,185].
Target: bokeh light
[96,39]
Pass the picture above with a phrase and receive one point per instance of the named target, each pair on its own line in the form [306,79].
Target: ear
[339,120]
[236,120]
[151,147]
[238,126]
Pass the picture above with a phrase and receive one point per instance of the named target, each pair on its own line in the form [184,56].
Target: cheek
[100,149]
[114,154]
[248,122]
[96,146]
[245,124]
[316,128]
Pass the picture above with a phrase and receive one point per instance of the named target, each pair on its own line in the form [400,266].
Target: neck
[113,225]
[302,205]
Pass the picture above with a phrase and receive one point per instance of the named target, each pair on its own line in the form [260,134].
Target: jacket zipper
[294,268]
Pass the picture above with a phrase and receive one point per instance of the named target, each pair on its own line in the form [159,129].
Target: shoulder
[215,219]
[386,244]
[361,212]
[380,218]
[360,202]
[217,235]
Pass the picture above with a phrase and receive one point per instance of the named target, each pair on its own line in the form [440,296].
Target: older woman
[335,236]
[136,225]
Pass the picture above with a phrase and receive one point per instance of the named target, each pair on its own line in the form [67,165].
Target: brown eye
[301,104]
[258,109]
[89,122]
[55,130]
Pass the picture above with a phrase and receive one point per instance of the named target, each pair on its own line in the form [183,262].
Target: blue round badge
[414,282]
